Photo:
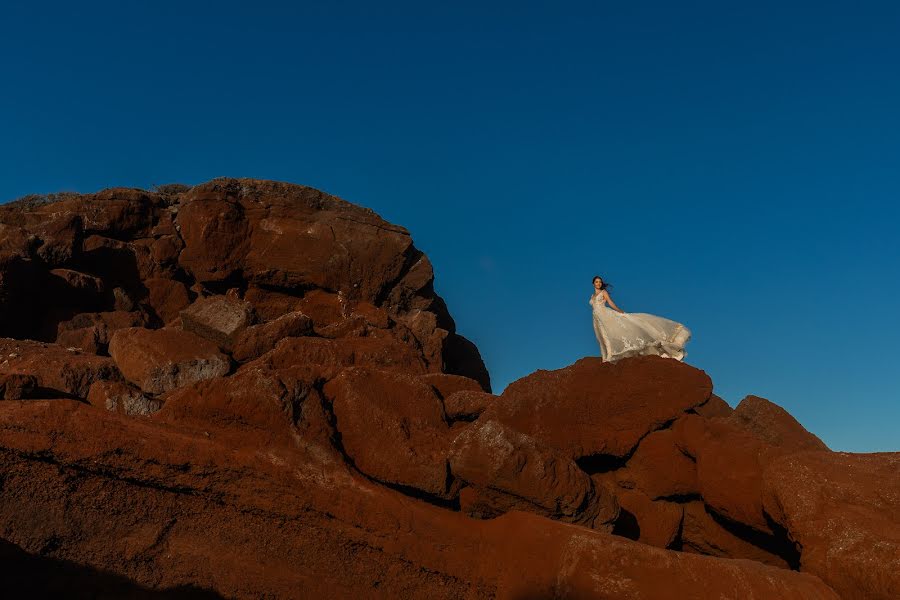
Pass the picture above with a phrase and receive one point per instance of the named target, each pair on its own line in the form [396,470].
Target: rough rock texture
[219,319]
[467,405]
[571,410]
[659,469]
[167,509]
[255,341]
[490,456]
[844,510]
[288,411]
[120,397]
[774,425]
[393,428]
[56,371]
[161,360]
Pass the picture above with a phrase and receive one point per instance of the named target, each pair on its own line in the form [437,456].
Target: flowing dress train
[634,334]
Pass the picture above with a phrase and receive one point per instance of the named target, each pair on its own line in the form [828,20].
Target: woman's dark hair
[603,285]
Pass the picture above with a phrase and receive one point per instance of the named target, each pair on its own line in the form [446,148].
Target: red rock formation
[252,388]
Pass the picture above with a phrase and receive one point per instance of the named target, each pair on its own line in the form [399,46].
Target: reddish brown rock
[215,234]
[659,469]
[467,405]
[16,386]
[653,522]
[445,384]
[714,407]
[843,509]
[594,407]
[161,360]
[354,326]
[167,297]
[730,463]
[270,304]
[58,372]
[527,476]
[59,237]
[773,425]
[120,397]
[702,534]
[379,353]
[393,428]
[255,341]
[256,406]
[164,509]
[90,332]
[219,319]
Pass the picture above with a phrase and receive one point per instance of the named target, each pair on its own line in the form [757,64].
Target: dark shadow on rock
[627,526]
[461,357]
[26,575]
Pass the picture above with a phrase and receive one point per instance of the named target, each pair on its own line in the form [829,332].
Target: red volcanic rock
[730,463]
[59,238]
[90,332]
[57,371]
[594,407]
[445,384]
[354,326]
[702,534]
[16,386]
[255,341]
[270,304]
[167,297]
[256,406]
[714,407]
[467,405]
[656,522]
[215,234]
[145,501]
[393,428]
[380,353]
[219,319]
[161,360]
[844,511]
[659,469]
[527,475]
[773,425]
[120,397]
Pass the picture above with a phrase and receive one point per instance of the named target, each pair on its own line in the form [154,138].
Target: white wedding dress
[634,334]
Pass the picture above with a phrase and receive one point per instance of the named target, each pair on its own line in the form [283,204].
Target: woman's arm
[610,300]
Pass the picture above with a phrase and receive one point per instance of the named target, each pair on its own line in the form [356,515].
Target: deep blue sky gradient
[735,168]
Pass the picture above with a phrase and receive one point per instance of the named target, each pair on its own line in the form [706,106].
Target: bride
[622,334]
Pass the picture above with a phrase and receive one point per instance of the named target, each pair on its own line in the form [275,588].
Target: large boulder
[56,371]
[220,319]
[773,425]
[730,463]
[659,469]
[161,360]
[255,341]
[528,475]
[393,428]
[599,408]
[844,511]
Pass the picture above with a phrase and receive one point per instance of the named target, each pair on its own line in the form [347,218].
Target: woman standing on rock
[622,334]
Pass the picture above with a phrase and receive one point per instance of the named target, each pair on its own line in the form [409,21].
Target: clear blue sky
[735,168]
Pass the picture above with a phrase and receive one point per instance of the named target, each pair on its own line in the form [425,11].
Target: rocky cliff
[250,389]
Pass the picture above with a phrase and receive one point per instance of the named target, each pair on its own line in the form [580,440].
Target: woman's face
[597,283]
